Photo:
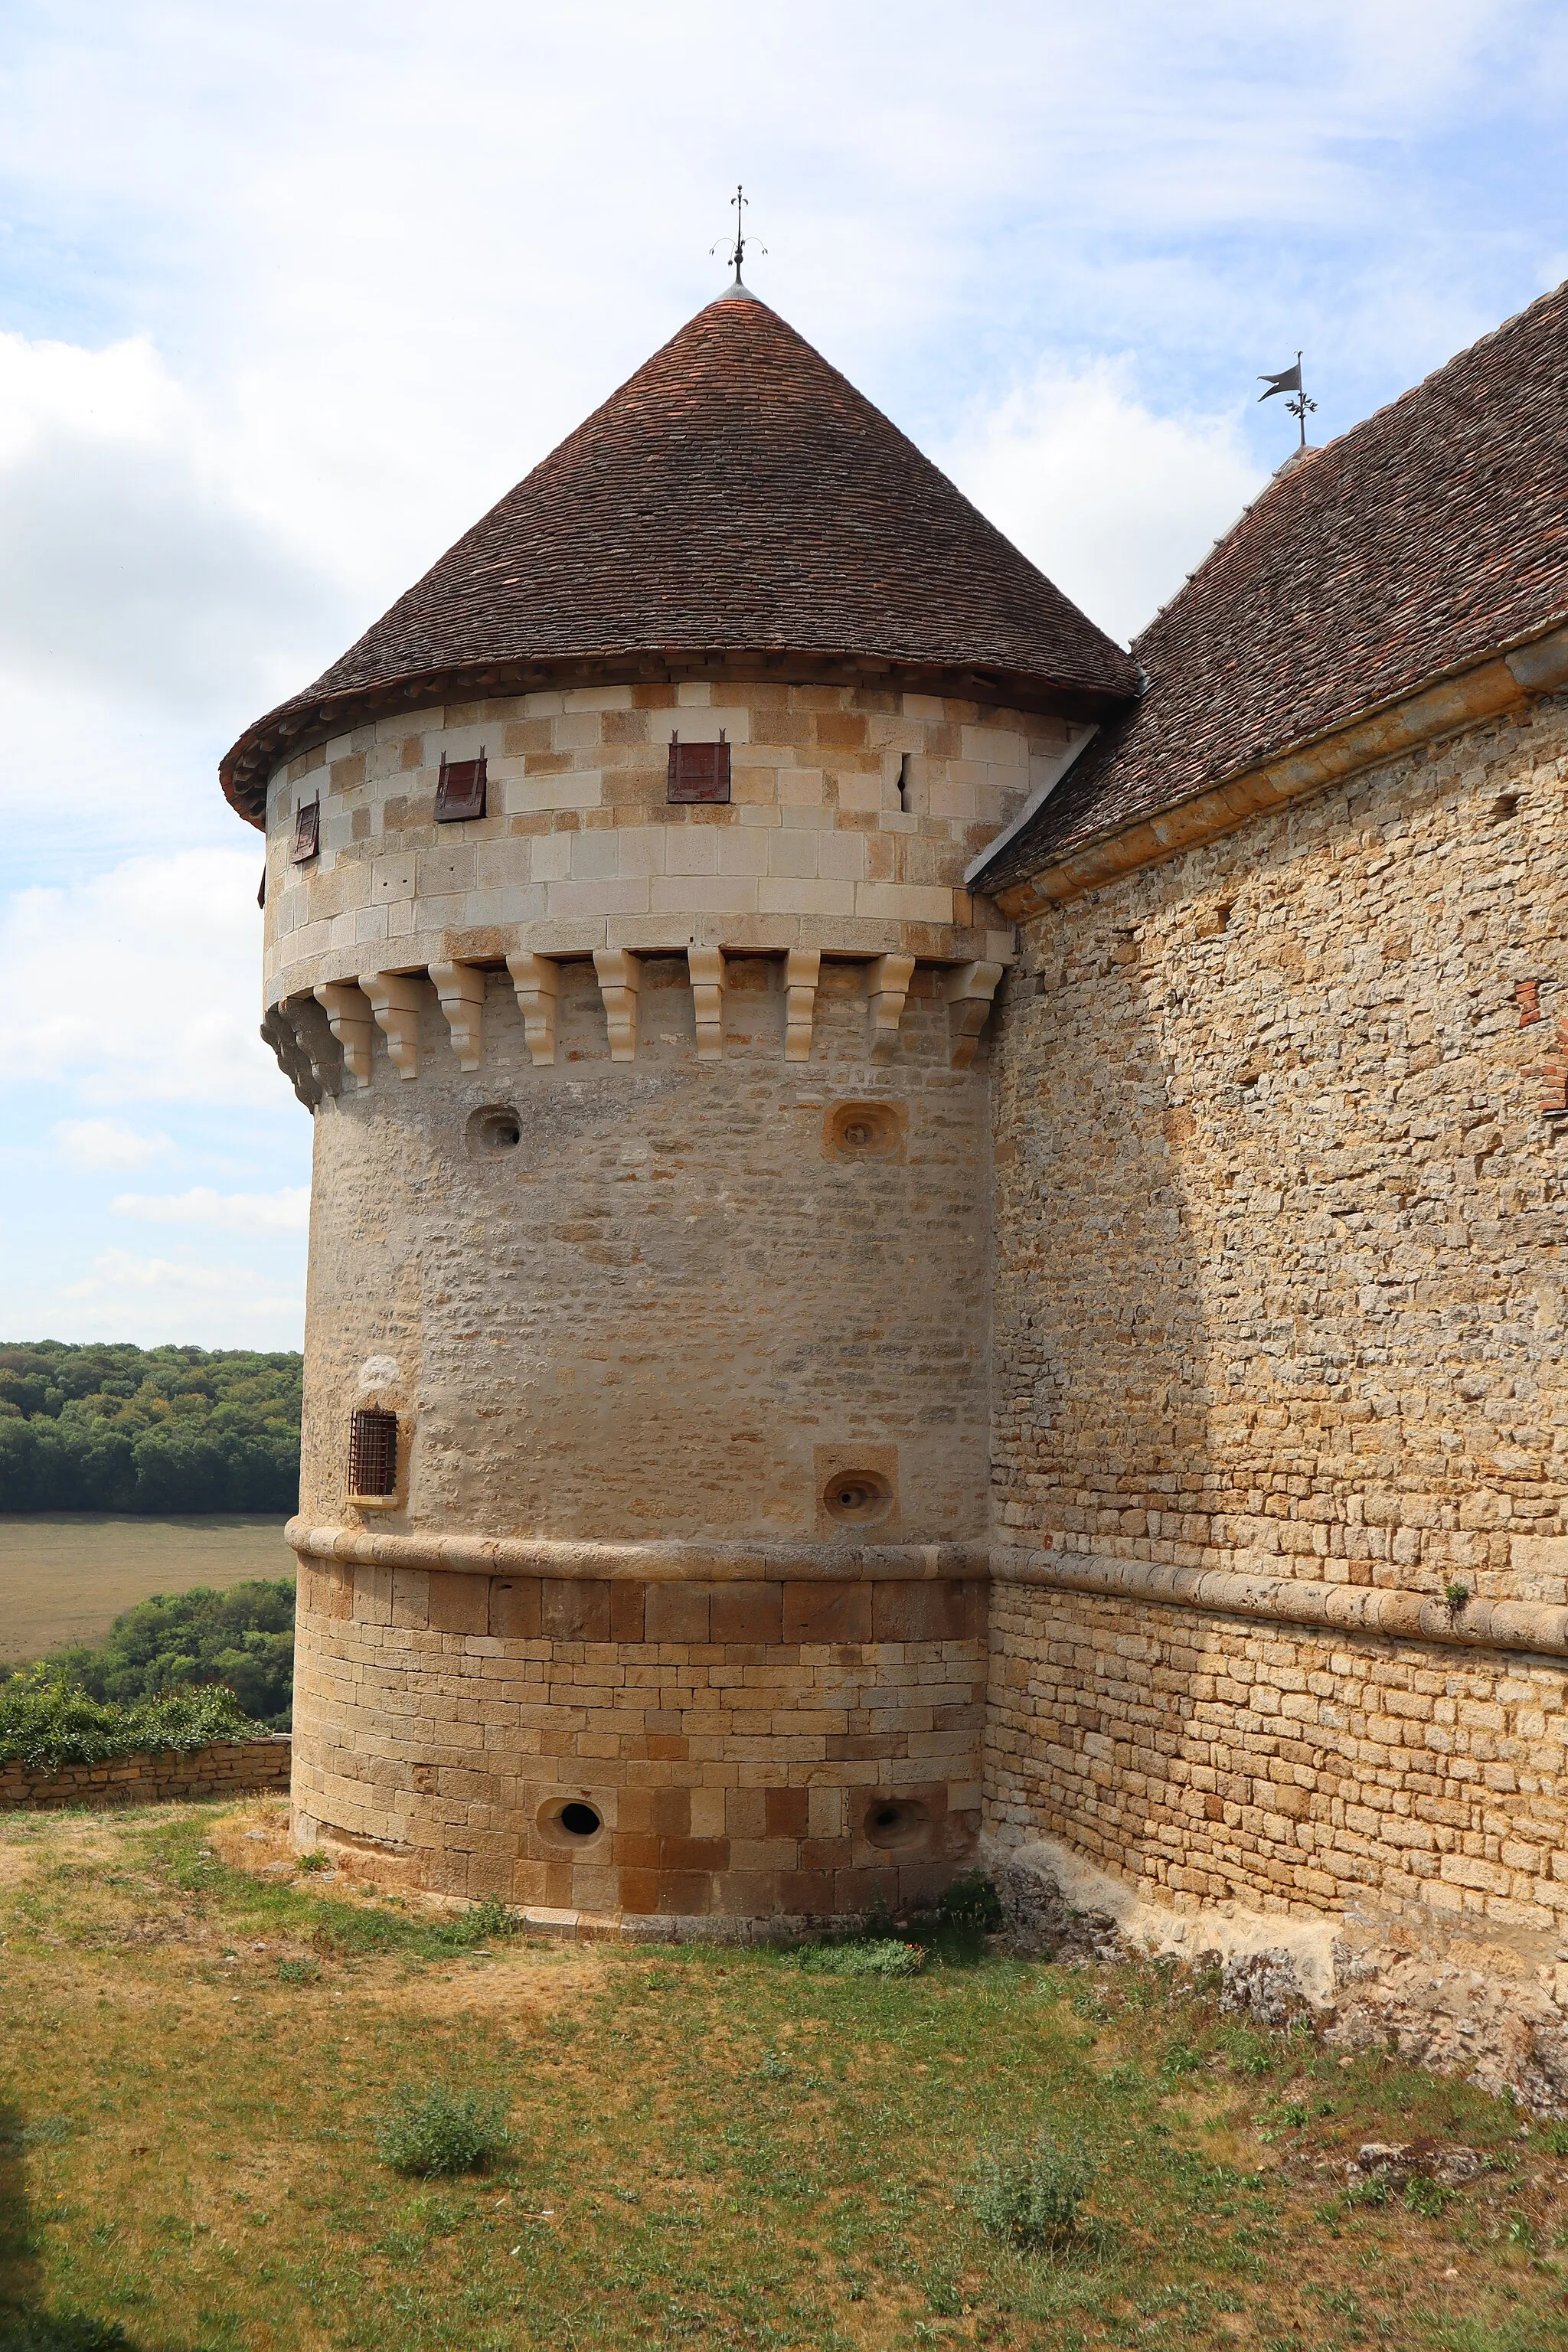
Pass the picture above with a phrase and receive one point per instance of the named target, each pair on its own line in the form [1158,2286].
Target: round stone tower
[617,938]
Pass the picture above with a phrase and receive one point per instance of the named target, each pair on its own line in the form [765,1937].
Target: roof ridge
[1428,537]
[1337,444]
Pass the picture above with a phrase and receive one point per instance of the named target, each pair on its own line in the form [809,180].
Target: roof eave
[1444,703]
[312,720]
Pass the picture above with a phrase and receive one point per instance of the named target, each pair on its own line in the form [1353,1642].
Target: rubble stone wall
[1209,1760]
[1281,1293]
[230,1769]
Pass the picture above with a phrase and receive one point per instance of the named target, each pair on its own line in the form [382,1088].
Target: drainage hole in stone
[895,1821]
[858,1496]
[496,1128]
[580,1820]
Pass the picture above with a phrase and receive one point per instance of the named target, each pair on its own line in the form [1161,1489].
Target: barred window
[372,1454]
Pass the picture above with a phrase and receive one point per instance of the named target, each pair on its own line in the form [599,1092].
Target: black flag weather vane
[1289,380]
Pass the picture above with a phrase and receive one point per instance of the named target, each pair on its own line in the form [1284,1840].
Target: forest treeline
[117,1428]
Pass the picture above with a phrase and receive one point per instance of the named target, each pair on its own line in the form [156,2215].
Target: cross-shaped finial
[741,203]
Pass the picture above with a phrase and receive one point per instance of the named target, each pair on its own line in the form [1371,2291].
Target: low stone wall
[231,1768]
[1208,1758]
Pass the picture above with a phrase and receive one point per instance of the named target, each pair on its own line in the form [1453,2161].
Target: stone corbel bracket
[706,966]
[293,1059]
[347,1009]
[394,1000]
[803,970]
[969,992]
[888,987]
[461,988]
[536,980]
[620,983]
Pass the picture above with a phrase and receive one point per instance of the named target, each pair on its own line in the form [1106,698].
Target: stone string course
[1211,1760]
[228,1769]
[1281,1297]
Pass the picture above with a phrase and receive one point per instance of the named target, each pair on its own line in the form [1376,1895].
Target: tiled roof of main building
[1422,540]
[737,497]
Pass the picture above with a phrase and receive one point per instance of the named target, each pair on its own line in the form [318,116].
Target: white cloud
[97,1143]
[128,559]
[117,1270]
[142,984]
[1114,504]
[287,1211]
[156,1299]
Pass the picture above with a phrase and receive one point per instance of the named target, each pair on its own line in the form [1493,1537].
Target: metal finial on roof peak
[736,290]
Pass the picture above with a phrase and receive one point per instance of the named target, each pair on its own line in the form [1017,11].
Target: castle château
[926,1233]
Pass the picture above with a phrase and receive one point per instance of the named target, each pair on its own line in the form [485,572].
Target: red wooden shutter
[306,830]
[372,1454]
[461,790]
[698,772]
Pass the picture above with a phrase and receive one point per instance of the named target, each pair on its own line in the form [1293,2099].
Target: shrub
[47,1721]
[438,2130]
[881,1958]
[243,1636]
[1031,2196]
[972,1904]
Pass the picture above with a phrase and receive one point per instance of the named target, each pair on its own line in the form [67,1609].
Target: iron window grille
[372,1454]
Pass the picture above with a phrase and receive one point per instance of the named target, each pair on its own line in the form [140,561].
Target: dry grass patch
[705,2148]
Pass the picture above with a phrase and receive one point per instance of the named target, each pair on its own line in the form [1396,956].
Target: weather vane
[1289,380]
[741,202]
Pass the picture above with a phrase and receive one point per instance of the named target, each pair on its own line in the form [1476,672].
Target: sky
[290,294]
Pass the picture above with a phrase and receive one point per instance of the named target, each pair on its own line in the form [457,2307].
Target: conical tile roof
[736,506]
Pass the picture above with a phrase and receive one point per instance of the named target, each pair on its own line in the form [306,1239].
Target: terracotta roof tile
[738,496]
[1424,539]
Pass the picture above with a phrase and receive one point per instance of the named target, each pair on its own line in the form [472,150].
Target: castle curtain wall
[1281,1568]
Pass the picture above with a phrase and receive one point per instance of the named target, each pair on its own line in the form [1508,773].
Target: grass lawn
[709,2147]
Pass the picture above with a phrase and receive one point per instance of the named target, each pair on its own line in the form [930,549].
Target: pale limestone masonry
[738,1742]
[657,1210]
[580,851]
[1281,1304]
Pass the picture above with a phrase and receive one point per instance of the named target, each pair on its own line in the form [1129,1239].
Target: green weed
[439,2131]
[886,1956]
[1031,2196]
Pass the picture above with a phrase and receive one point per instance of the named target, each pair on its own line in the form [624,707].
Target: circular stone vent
[494,1130]
[864,1131]
[858,1498]
[572,1821]
[895,1821]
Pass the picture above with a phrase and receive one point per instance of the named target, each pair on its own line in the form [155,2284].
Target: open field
[711,2148]
[65,1576]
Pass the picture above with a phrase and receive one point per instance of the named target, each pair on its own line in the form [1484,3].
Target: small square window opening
[461,790]
[307,832]
[698,772]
